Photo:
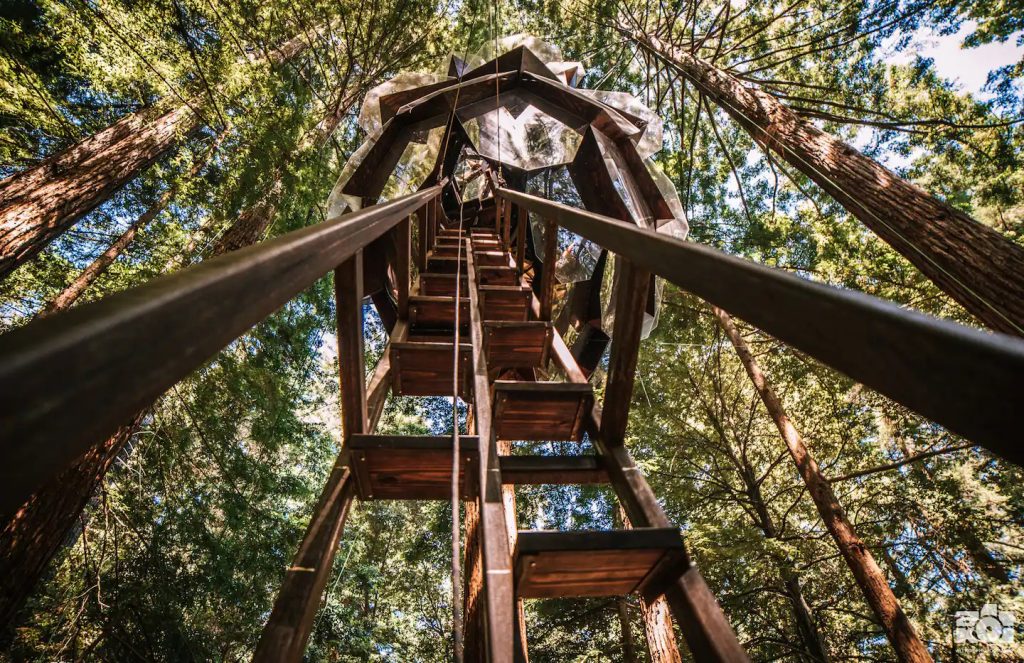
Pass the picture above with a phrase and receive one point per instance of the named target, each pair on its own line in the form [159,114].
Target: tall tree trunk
[869,576]
[37,532]
[626,631]
[976,265]
[38,204]
[661,639]
[88,276]
[802,613]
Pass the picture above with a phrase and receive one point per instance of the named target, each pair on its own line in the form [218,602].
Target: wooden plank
[425,368]
[412,467]
[432,311]
[502,275]
[547,275]
[439,285]
[540,411]
[68,382]
[554,470]
[551,564]
[505,302]
[491,258]
[403,240]
[630,303]
[348,294]
[523,227]
[421,236]
[497,558]
[899,353]
[517,344]
[560,351]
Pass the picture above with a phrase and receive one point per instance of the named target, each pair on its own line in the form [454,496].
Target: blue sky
[968,66]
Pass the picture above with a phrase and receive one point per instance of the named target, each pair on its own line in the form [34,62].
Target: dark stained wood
[540,411]
[411,467]
[348,294]
[522,227]
[839,327]
[503,275]
[422,368]
[421,238]
[547,275]
[432,311]
[403,259]
[440,285]
[630,303]
[446,264]
[68,383]
[555,470]
[517,344]
[552,564]
[497,557]
[491,258]
[505,302]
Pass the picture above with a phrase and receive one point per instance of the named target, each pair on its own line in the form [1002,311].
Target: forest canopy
[220,125]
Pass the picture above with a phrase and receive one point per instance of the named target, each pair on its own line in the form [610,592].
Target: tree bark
[97,267]
[661,640]
[626,631]
[38,204]
[869,576]
[974,264]
[38,531]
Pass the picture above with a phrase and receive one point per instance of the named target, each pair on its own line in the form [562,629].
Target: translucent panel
[369,114]
[678,227]
[545,51]
[570,73]
[531,141]
[577,257]
[651,140]
[339,202]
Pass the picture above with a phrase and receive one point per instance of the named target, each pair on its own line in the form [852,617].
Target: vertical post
[523,225]
[506,228]
[497,559]
[547,277]
[421,228]
[403,242]
[631,285]
[291,620]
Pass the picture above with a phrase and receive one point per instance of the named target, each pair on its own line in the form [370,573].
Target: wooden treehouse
[463,268]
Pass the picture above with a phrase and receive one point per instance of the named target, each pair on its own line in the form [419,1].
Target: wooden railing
[69,381]
[970,381]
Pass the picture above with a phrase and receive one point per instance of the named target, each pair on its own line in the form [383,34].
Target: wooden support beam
[547,275]
[506,225]
[403,241]
[560,351]
[523,227]
[291,620]
[68,383]
[630,303]
[497,556]
[563,470]
[421,232]
[899,353]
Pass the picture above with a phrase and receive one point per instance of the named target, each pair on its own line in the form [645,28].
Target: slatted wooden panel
[445,264]
[505,302]
[491,258]
[540,411]
[440,285]
[593,563]
[497,275]
[517,344]
[425,368]
[411,467]
[427,311]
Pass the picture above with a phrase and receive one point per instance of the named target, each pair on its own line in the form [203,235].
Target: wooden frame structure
[65,383]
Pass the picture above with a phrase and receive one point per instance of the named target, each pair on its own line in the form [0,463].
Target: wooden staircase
[517,346]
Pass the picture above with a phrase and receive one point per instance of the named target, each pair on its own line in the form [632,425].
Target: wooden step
[551,564]
[411,467]
[503,275]
[445,264]
[424,367]
[448,251]
[437,312]
[441,285]
[490,259]
[552,470]
[540,411]
[483,231]
[505,302]
[517,344]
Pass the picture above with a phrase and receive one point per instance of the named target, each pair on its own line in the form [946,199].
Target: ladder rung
[517,344]
[411,467]
[540,411]
[554,470]
[551,564]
